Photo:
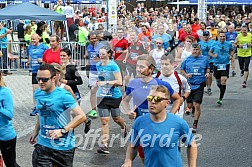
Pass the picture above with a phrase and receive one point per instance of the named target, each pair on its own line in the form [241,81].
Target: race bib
[195,70]
[34,62]
[106,91]
[118,49]
[92,55]
[221,67]
[133,55]
[45,113]
[142,112]
[45,130]
[245,46]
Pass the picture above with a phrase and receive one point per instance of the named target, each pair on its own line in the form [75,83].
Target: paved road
[225,130]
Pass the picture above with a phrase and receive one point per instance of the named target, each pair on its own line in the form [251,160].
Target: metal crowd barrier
[16,57]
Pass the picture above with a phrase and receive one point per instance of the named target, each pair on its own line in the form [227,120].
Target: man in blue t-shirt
[231,36]
[205,45]
[54,128]
[3,47]
[222,51]
[35,54]
[196,68]
[164,36]
[160,134]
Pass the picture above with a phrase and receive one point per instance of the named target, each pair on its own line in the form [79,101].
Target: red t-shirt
[51,57]
[195,27]
[181,32]
[194,35]
[135,49]
[122,44]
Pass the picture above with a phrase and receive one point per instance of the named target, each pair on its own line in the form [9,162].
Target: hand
[55,134]
[39,60]
[188,76]
[63,81]
[8,31]
[132,113]
[126,164]
[32,139]
[215,55]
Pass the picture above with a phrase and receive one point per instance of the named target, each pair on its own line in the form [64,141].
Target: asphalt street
[224,135]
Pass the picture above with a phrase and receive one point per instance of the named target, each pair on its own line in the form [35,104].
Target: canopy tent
[29,11]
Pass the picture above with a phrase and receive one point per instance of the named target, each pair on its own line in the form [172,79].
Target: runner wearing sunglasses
[155,126]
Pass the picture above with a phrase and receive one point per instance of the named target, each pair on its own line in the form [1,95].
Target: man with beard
[139,88]
[52,55]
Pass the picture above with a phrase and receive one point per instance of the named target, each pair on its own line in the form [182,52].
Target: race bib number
[133,55]
[45,113]
[221,67]
[92,55]
[34,62]
[46,129]
[245,46]
[106,91]
[195,70]
[118,49]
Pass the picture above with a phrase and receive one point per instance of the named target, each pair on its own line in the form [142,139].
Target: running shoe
[194,129]
[187,111]
[88,125]
[103,150]
[233,73]
[244,84]
[209,91]
[242,73]
[219,102]
[124,131]
[34,112]
[93,114]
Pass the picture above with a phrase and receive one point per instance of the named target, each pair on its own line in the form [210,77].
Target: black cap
[206,33]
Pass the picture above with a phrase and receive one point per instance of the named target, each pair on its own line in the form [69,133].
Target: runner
[54,128]
[160,123]
[222,51]
[196,69]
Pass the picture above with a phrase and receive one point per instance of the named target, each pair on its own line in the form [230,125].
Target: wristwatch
[107,83]
[63,131]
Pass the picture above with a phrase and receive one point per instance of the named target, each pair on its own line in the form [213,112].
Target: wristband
[107,83]
[183,97]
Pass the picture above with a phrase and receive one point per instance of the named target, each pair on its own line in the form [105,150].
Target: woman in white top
[158,52]
[185,50]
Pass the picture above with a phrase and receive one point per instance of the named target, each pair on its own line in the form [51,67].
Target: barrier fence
[15,57]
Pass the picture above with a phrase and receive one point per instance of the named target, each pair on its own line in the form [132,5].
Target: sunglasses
[156,99]
[159,43]
[43,79]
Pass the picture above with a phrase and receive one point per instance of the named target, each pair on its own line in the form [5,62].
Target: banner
[225,2]
[112,12]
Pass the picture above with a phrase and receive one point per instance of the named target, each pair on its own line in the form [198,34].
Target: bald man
[35,53]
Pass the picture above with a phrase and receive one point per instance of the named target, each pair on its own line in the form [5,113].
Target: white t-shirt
[157,57]
[68,11]
[172,80]
[185,54]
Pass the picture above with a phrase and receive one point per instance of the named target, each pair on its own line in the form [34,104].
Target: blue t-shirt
[106,73]
[166,39]
[35,53]
[223,52]
[93,53]
[160,140]
[54,113]
[140,90]
[205,47]
[231,36]
[4,39]
[7,131]
[196,66]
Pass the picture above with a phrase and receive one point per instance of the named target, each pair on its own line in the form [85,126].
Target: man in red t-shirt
[145,35]
[121,49]
[195,25]
[52,55]
[188,32]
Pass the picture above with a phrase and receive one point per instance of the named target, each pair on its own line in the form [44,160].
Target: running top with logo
[122,45]
[205,47]
[173,81]
[54,113]
[35,53]
[50,57]
[140,90]
[135,49]
[222,50]
[3,30]
[106,73]
[7,131]
[166,145]
[157,57]
[59,9]
[82,36]
[244,51]
[231,36]
[93,53]
[196,66]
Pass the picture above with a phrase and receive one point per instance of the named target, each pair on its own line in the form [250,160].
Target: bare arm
[130,156]
[192,153]
[176,102]
[32,139]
